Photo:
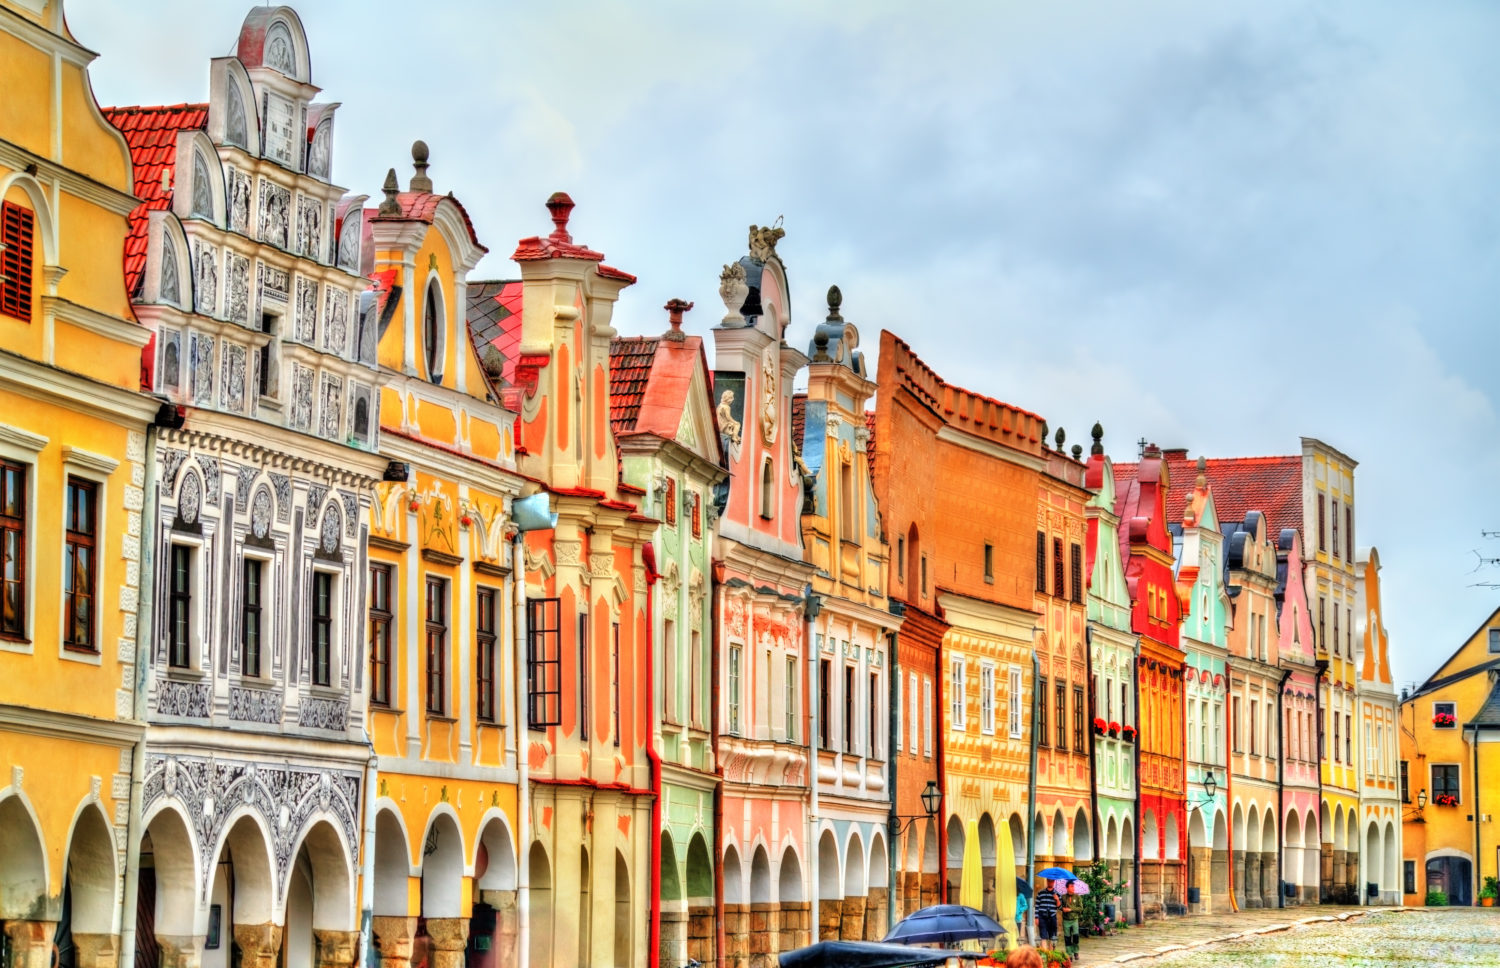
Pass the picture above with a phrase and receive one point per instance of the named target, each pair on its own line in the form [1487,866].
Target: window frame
[851,709]
[91,541]
[187,649]
[435,646]
[873,717]
[1060,694]
[322,628]
[927,716]
[486,628]
[735,678]
[1079,720]
[258,609]
[1456,775]
[540,714]
[585,706]
[1015,707]
[380,634]
[958,709]
[789,698]
[17,261]
[1041,562]
[20,525]
[987,698]
[1076,572]
[615,683]
[1043,697]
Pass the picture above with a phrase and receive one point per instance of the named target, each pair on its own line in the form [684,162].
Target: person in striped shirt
[1047,903]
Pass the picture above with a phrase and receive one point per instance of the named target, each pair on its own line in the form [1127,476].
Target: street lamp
[932,798]
[1421,799]
[1210,786]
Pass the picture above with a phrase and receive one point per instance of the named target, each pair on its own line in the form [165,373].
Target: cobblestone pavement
[1340,938]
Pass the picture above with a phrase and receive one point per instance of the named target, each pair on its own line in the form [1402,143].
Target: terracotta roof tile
[630,362]
[799,420]
[870,444]
[1270,485]
[151,133]
[494,318]
[423,206]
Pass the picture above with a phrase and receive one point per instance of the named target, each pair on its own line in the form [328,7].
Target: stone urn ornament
[733,289]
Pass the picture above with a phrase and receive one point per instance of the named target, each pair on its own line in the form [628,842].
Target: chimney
[1174,453]
[675,308]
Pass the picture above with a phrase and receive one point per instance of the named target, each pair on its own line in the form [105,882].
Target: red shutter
[16,225]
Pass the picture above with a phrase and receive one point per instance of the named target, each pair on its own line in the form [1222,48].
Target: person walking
[1047,903]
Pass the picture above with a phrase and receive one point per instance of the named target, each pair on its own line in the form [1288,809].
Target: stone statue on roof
[763,241]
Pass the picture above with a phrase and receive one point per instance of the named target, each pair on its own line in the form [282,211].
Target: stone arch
[442,867]
[734,876]
[1059,834]
[1221,833]
[434,328]
[987,851]
[392,865]
[1127,839]
[1174,837]
[174,862]
[1268,839]
[1018,840]
[495,856]
[1351,831]
[1239,825]
[930,859]
[830,881]
[671,883]
[955,850]
[91,871]
[1372,859]
[789,878]
[1252,829]
[539,881]
[760,877]
[700,871]
[1197,833]
[332,886]
[1391,862]
[1083,837]
[1039,840]
[1150,837]
[1111,839]
[854,865]
[623,920]
[880,863]
[247,843]
[584,901]
[1325,822]
[45,224]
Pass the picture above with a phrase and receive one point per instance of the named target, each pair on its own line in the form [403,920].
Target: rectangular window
[614,663]
[16,232]
[1409,877]
[825,704]
[695,669]
[1254,732]
[736,654]
[13,545]
[380,635]
[484,655]
[1079,731]
[851,710]
[1348,532]
[669,686]
[180,608]
[1041,712]
[1349,632]
[987,699]
[901,557]
[1322,624]
[1336,746]
[543,662]
[791,699]
[1125,714]
[1058,588]
[585,706]
[1348,741]
[1494,641]
[1060,714]
[1335,630]
[1336,548]
[924,574]
[898,709]
[1015,703]
[1322,522]
[1234,723]
[926,716]
[1445,781]
[958,700]
[1445,715]
[874,713]
[436,629]
[697,514]
[989,562]
[80,523]
[264,382]
[1192,729]
[1041,562]
[914,708]
[250,611]
[669,502]
[1076,561]
[322,629]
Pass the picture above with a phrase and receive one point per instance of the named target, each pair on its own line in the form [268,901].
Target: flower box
[1100,725]
[1129,733]
[1445,720]
[1114,729]
[1445,800]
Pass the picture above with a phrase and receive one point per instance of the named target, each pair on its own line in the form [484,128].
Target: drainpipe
[717,570]
[367,861]
[523,767]
[653,758]
[1182,874]
[1140,838]
[1280,787]
[1478,857]
[1036,674]
[144,636]
[1229,784]
[893,824]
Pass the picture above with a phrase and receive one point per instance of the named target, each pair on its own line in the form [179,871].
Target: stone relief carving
[260,514]
[171,287]
[283,486]
[330,530]
[279,50]
[234,377]
[203,368]
[210,790]
[244,479]
[187,699]
[307,309]
[351,513]
[203,190]
[239,201]
[319,713]
[349,241]
[733,289]
[255,705]
[319,152]
[309,226]
[335,320]
[206,275]
[302,397]
[770,407]
[333,406]
[236,130]
[171,461]
[728,426]
[275,213]
[211,484]
[237,288]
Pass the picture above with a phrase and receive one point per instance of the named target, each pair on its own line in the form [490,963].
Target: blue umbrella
[1023,887]
[945,924]
[868,954]
[1056,873]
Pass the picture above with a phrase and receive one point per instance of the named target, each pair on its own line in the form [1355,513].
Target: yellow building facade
[1379,750]
[72,471]
[440,870]
[1450,773]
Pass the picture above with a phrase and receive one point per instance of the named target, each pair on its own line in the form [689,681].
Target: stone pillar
[1354,892]
[990,906]
[830,914]
[260,944]
[1128,874]
[96,950]
[393,937]
[736,920]
[30,943]
[1270,887]
[764,943]
[1202,868]
[672,949]
[449,937]
[336,949]
[506,925]
[796,925]
[877,900]
[852,924]
[1325,878]
[177,951]
[1218,878]
[1252,879]
[700,937]
[1239,878]
[1340,876]
[929,893]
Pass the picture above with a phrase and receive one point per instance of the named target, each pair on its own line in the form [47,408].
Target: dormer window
[432,334]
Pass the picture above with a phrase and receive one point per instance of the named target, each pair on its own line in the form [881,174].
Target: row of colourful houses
[383,612]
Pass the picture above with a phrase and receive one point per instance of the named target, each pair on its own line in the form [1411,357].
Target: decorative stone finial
[420,182]
[733,289]
[1044,435]
[1061,436]
[675,308]
[561,207]
[390,189]
[1078,452]
[1202,472]
[835,300]
[1098,434]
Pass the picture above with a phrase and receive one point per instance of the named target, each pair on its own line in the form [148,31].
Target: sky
[1214,226]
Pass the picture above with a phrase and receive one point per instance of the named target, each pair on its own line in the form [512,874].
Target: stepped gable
[151,132]
[1270,485]
[965,410]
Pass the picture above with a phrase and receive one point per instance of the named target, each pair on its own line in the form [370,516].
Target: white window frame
[898,710]
[914,700]
[1452,709]
[926,715]
[958,684]
[198,581]
[25,447]
[987,698]
[735,677]
[1015,706]
[95,469]
[267,559]
[790,697]
[336,632]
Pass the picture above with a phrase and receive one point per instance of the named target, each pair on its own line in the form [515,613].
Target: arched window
[235,128]
[432,334]
[203,192]
[767,489]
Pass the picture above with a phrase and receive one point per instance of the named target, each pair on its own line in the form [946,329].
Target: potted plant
[1114,729]
[1445,800]
[1100,725]
[1489,892]
[1436,898]
[1443,719]
[1128,732]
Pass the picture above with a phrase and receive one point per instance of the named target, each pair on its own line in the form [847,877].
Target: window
[848,509]
[1336,747]
[736,653]
[926,716]
[1336,631]
[1192,729]
[1076,561]
[825,704]
[1041,712]
[1348,532]
[915,716]
[1058,588]
[1041,562]
[1409,877]
[16,231]
[615,682]
[669,502]
[1348,741]
[264,377]
[432,334]
[897,708]
[585,707]
[1494,641]
[791,698]
[958,700]
[874,715]
[989,562]
[322,630]
[851,711]
[669,686]
[696,505]
[1322,522]
[1015,702]
[987,699]
[437,645]
[1445,715]
[543,663]
[81,521]
[1322,623]
[250,624]
[1445,781]
[1234,723]
[13,544]
[1060,714]
[1125,715]
[1078,720]
[901,557]
[484,655]
[180,607]
[1336,548]
[1349,632]
[767,489]
[380,635]
[924,575]
[695,669]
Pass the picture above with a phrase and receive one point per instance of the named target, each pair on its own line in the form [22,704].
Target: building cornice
[49,722]
[42,382]
[952,435]
[92,320]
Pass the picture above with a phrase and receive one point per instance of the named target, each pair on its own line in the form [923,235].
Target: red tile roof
[151,133]
[870,444]
[422,207]
[1270,485]
[799,420]
[630,362]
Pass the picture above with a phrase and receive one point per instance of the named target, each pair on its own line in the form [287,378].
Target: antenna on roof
[1140,448]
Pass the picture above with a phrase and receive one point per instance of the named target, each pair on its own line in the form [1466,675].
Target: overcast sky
[1218,226]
